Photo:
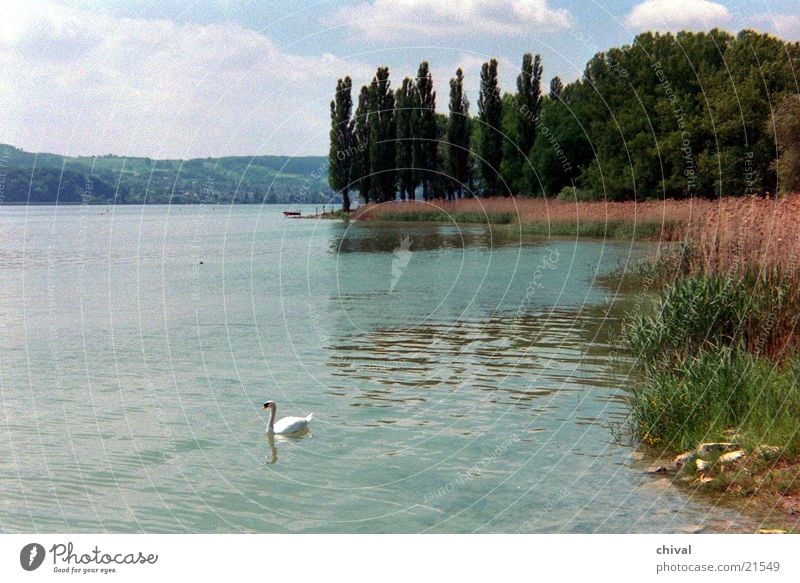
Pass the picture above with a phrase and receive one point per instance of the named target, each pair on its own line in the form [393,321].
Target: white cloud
[675,15]
[786,26]
[470,64]
[414,19]
[83,82]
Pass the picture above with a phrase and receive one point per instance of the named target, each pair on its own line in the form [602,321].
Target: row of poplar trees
[669,116]
[395,144]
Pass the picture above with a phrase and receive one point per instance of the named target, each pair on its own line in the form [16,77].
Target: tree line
[668,116]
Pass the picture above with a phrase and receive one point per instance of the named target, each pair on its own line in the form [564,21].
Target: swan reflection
[273,438]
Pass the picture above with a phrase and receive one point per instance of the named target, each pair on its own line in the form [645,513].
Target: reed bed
[721,347]
[727,233]
[665,220]
[721,356]
[755,312]
[739,234]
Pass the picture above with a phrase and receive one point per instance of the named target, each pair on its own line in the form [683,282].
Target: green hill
[27,177]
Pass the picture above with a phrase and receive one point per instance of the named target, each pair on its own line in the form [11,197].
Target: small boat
[291,214]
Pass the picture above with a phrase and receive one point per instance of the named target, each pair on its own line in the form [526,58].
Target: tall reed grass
[727,233]
[756,312]
[738,234]
[664,220]
[721,345]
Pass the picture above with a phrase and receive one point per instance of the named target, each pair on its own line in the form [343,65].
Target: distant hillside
[47,178]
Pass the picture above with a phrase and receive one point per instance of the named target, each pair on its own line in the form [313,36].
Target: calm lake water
[459,383]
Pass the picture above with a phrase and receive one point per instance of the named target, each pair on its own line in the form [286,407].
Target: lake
[460,382]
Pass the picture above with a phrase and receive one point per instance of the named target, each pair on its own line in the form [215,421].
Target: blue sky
[228,77]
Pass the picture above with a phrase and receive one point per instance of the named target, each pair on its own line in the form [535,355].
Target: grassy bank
[721,352]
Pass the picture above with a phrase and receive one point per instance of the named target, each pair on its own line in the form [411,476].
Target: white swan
[287,424]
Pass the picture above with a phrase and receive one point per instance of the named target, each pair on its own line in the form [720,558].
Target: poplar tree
[382,136]
[556,86]
[520,120]
[361,176]
[529,101]
[457,148]
[490,110]
[340,157]
[424,129]
[405,108]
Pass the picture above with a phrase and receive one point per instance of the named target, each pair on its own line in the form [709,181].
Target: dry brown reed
[672,216]
[539,210]
[732,233]
[737,234]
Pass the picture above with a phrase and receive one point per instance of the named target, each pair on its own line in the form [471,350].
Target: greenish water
[459,383]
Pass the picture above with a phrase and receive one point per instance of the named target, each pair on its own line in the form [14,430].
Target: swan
[287,424]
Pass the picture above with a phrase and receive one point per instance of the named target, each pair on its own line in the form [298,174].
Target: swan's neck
[271,421]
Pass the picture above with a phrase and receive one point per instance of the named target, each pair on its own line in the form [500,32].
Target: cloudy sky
[162,78]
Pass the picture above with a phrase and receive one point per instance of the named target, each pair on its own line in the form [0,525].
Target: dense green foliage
[671,116]
[117,179]
[668,116]
[46,185]
[562,148]
[441,183]
[362,177]
[785,125]
[556,87]
[521,113]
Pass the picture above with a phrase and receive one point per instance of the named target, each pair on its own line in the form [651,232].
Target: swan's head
[268,404]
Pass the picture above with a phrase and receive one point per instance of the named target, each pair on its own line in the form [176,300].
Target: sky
[169,79]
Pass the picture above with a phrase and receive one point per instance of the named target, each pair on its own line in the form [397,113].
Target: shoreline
[720,350]
[777,512]
[662,220]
